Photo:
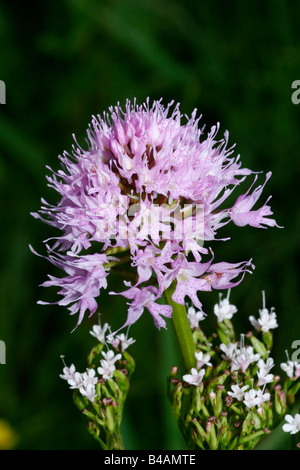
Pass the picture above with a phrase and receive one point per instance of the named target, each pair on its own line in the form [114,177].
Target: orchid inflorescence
[141,201]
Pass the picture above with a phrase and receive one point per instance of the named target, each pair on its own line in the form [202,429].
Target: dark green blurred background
[63,61]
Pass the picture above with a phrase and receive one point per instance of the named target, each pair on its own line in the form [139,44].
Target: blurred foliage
[63,61]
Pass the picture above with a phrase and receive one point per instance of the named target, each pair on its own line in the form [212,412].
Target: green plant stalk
[182,329]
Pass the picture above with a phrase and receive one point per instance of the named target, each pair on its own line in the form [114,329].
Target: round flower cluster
[148,191]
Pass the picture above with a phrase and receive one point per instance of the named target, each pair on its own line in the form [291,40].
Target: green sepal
[280,402]
[196,399]
[211,437]
[94,430]
[176,400]
[226,332]
[95,352]
[294,390]
[268,339]
[111,421]
[222,334]
[259,347]
[219,380]
[80,401]
[199,429]
[130,363]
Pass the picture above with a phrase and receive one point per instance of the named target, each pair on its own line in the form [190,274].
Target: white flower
[266,366]
[195,317]
[88,391]
[244,357]
[267,320]
[293,424]
[250,398]
[76,381]
[264,378]
[99,332]
[111,357]
[224,310]
[107,365]
[238,392]
[288,368]
[195,377]
[106,369]
[261,397]
[68,372]
[263,374]
[115,341]
[254,322]
[230,351]
[89,377]
[202,359]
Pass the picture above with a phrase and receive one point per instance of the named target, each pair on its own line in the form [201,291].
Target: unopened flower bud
[93,429]
[175,381]
[280,402]
[107,401]
[228,401]
[208,426]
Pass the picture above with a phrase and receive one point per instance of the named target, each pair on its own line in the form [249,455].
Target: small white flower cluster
[198,373]
[120,341]
[253,397]
[240,359]
[86,382]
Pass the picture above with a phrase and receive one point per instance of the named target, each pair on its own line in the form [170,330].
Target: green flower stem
[182,329]
[115,441]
